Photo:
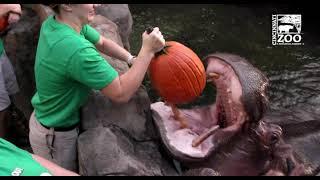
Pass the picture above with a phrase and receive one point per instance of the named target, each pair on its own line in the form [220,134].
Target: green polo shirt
[67,67]
[17,162]
[1,47]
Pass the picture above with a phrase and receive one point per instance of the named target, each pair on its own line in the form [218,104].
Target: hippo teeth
[198,140]
[212,76]
[221,123]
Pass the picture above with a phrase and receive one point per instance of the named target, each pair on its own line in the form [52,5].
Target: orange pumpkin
[3,23]
[177,74]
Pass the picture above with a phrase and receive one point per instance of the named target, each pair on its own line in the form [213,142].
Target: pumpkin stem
[163,51]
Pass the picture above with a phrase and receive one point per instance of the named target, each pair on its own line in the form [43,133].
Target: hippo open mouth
[240,98]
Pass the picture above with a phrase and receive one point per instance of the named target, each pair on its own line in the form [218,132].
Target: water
[293,71]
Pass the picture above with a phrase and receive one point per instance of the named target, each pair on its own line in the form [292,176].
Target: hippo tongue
[179,141]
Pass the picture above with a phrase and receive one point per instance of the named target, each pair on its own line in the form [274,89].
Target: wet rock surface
[121,15]
[112,151]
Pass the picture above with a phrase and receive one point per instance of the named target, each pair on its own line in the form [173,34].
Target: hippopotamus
[218,132]
[240,100]
[258,151]
[301,129]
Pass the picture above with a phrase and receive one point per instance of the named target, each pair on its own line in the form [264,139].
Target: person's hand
[14,11]
[153,42]
[14,8]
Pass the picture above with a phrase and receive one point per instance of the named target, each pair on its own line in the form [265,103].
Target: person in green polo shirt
[18,162]
[67,67]
[9,14]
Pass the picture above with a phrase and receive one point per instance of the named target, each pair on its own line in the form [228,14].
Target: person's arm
[112,49]
[124,86]
[52,167]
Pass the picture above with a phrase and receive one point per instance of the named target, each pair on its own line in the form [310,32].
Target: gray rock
[110,151]
[132,116]
[110,30]
[20,45]
[121,15]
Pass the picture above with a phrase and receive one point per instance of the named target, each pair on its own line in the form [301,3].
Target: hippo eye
[274,138]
